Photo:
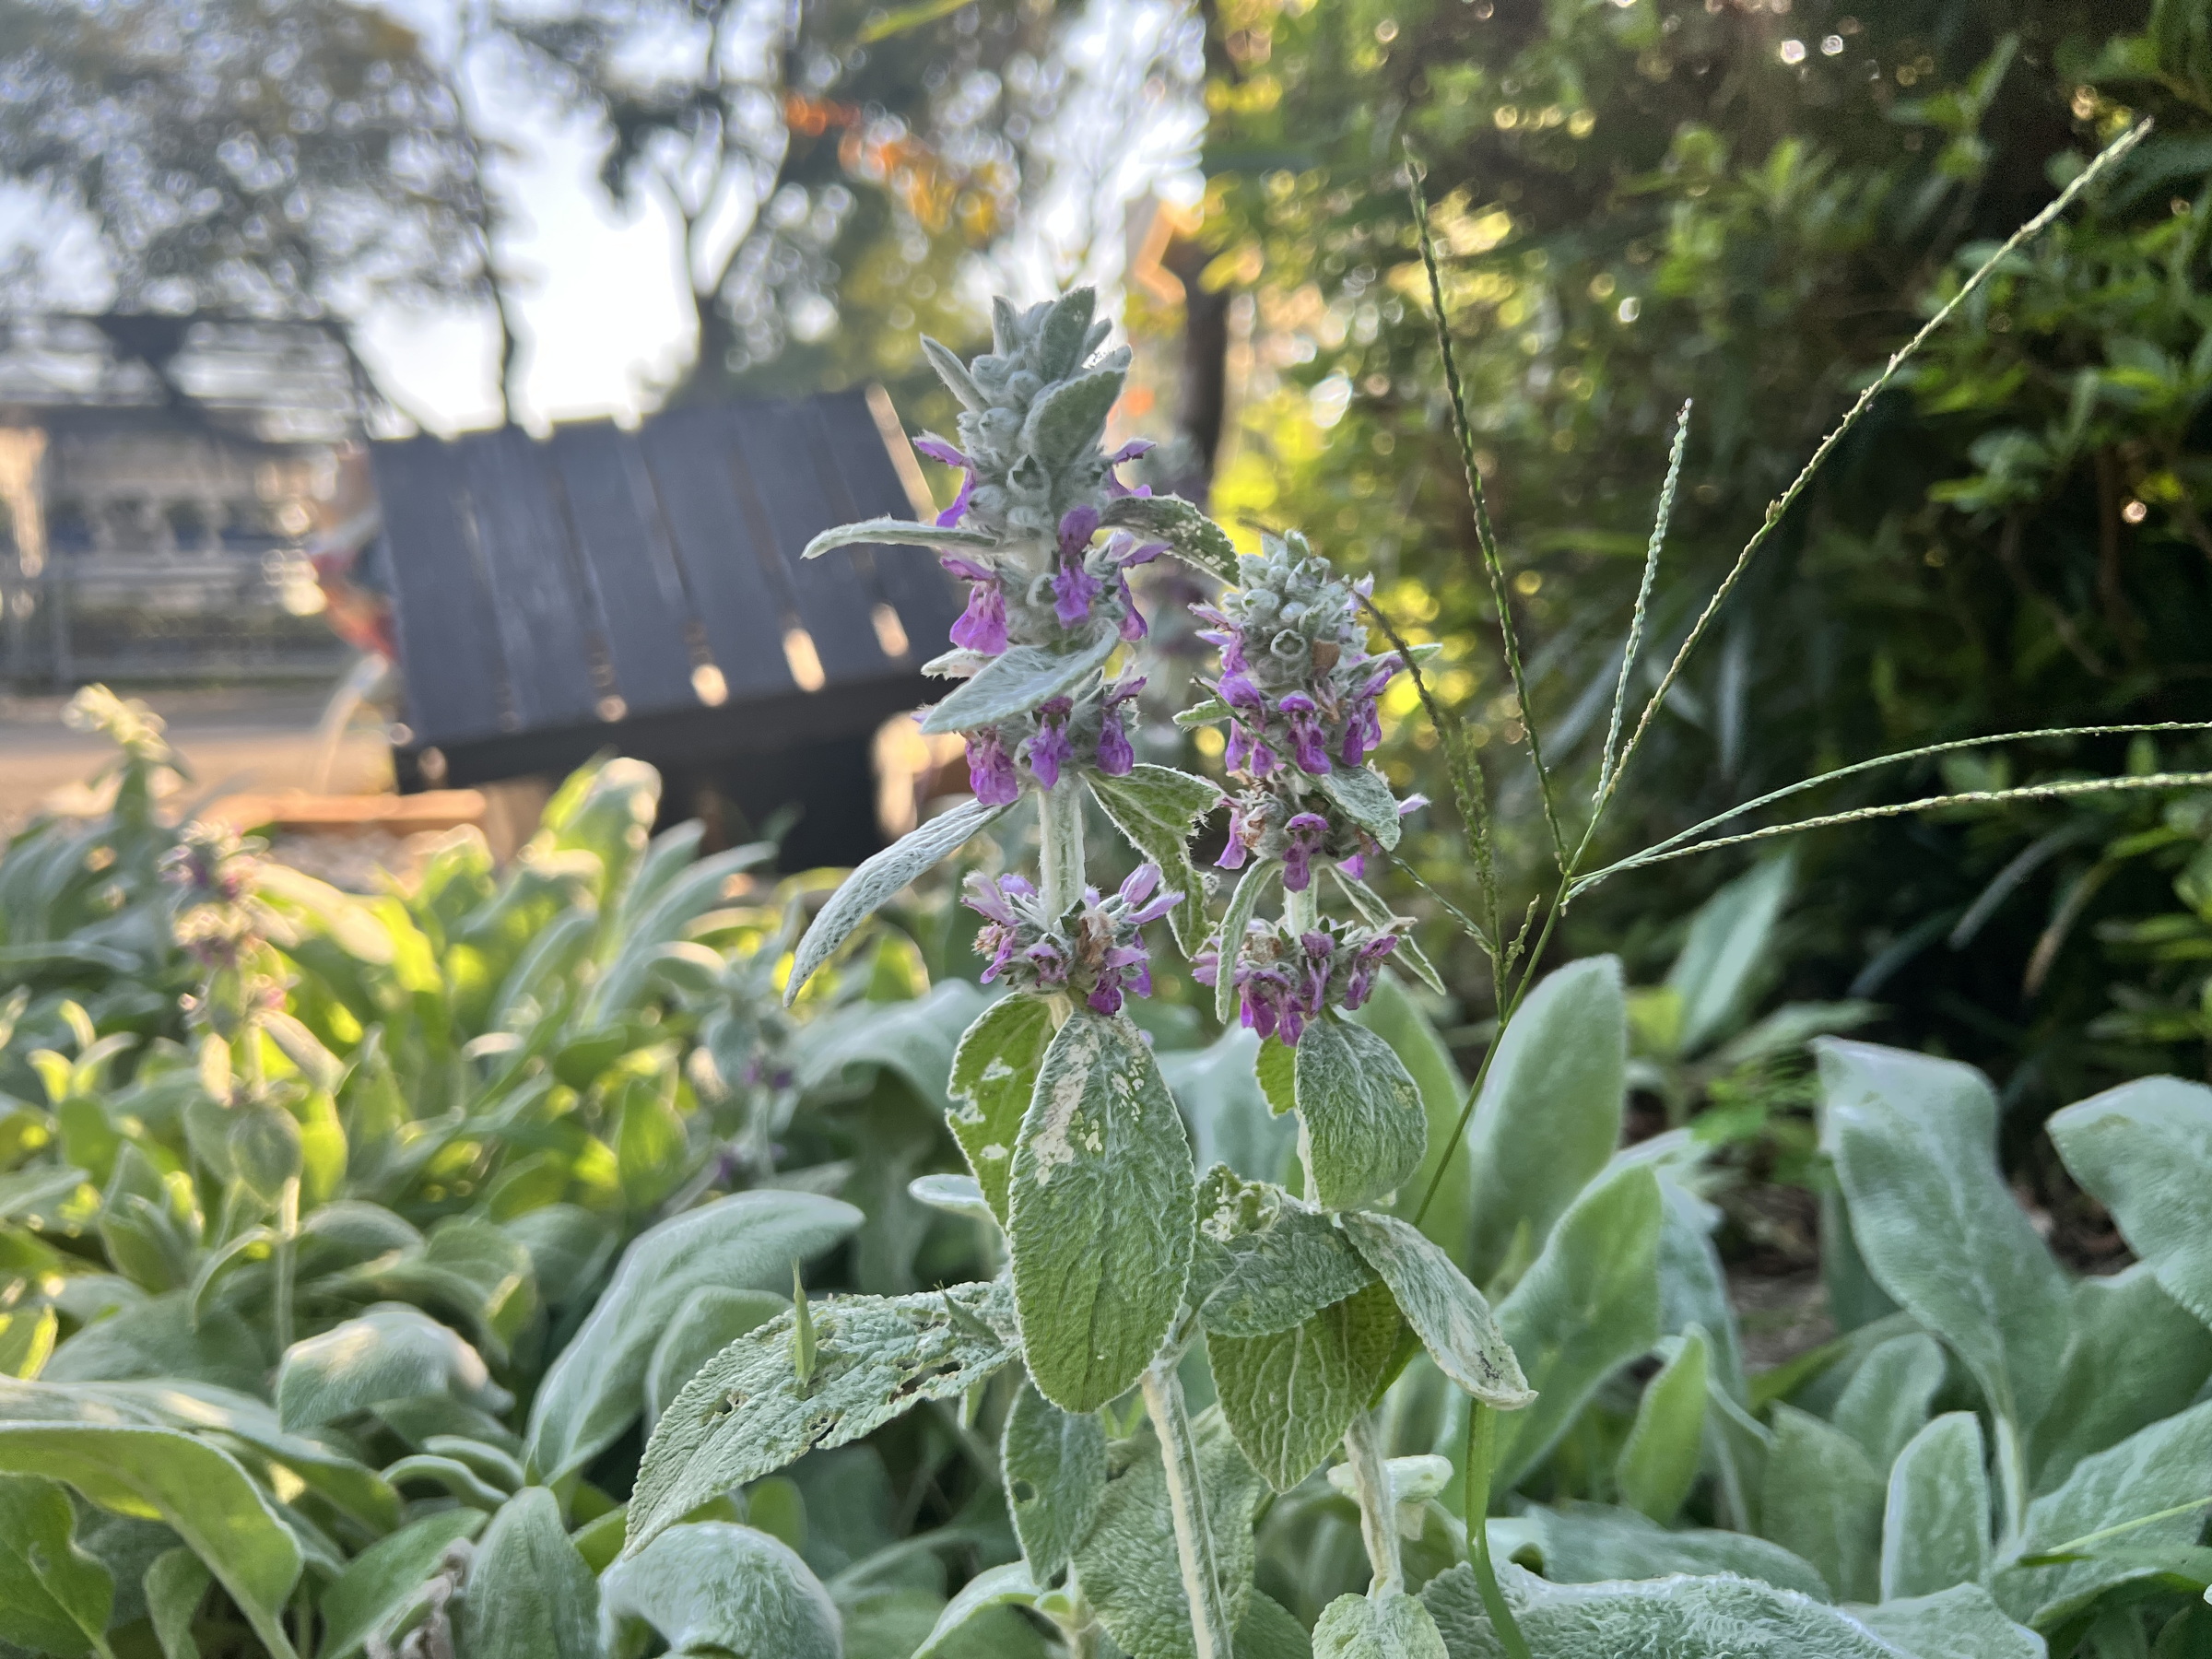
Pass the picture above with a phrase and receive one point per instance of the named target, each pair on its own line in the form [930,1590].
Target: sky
[605,318]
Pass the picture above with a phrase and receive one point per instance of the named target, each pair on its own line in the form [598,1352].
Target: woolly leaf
[1266,1262]
[1158,808]
[993,1077]
[718,1587]
[530,1596]
[2144,1150]
[1054,1466]
[897,533]
[1446,1312]
[54,1597]
[1015,682]
[1361,1129]
[1391,1626]
[1936,1527]
[1289,1398]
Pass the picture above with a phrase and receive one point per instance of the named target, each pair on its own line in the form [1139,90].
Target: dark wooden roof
[596,589]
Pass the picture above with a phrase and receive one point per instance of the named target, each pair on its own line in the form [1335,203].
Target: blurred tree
[832,166]
[1754,202]
[270,158]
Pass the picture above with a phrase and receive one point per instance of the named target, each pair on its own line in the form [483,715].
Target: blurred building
[164,486]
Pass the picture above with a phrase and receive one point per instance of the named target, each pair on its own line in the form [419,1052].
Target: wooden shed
[642,591]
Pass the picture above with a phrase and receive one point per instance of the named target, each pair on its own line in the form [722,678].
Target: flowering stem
[1060,834]
[1378,1512]
[1210,1633]
[1301,910]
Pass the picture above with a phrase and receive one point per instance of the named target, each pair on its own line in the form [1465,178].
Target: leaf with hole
[1053,1463]
[1265,1262]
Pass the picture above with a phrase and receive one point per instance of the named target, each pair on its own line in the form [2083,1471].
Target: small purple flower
[991,770]
[1116,758]
[1128,452]
[1307,831]
[1306,741]
[1355,867]
[1048,750]
[983,626]
[1138,888]
[1248,753]
[1242,833]
[936,449]
[1364,962]
[1075,591]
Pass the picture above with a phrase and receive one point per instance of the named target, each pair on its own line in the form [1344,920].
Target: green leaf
[1360,795]
[1266,1262]
[1721,959]
[716,1586]
[2144,1150]
[264,1148]
[1391,1626]
[1693,1288]
[54,1598]
[529,1594]
[953,1196]
[1361,1129]
[1887,1398]
[1011,684]
[914,1039]
[1268,1631]
[1289,1398]
[708,1320]
[1275,1068]
[880,880]
[596,1387]
[746,1414]
[2155,1469]
[1666,1618]
[1060,340]
[1158,808]
[158,1338]
[1392,1015]
[1102,1212]
[1193,537]
[392,1353]
[1551,1110]
[27,1341]
[384,1583]
[1658,1462]
[1935,1528]
[1236,920]
[1963,1623]
[175,1585]
[1588,1543]
[202,1495]
[1068,418]
[1227,1109]
[1128,1566]
[993,1077]
[1823,1500]
[897,533]
[1446,1312]
[1914,1142]
[1053,1464]
[2123,1325]
[1007,1586]
[472,1268]
[949,368]
[1588,1306]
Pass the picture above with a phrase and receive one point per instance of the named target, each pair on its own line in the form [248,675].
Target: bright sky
[605,313]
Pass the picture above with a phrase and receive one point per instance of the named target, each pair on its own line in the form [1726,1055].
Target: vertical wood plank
[864,483]
[542,616]
[449,650]
[629,563]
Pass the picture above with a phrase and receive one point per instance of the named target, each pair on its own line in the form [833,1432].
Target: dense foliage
[1752,206]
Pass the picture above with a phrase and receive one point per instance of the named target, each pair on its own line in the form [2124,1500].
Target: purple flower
[1050,749]
[1248,753]
[1137,890]
[1307,831]
[1306,742]
[1364,962]
[991,770]
[1128,452]
[983,626]
[936,449]
[1355,867]
[1075,591]
[1115,756]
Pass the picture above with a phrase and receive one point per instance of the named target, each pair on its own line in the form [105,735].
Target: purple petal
[936,449]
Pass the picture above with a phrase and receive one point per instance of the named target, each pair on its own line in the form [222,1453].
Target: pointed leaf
[175,1586]
[1361,1129]
[392,1353]
[1054,1465]
[1376,914]
[2125,1325]
[993,1077]
[1588,1306]
[1158,808]
[529,1594]
[718,1587]
[1887,1401]
[954,373]
[1266,1262]
[2144,1150]
[1193,537]
[1016,681]
[1446,1312]
[1007,1586]
[1360,795]
[1550,1110]
[595,1389]
[1718,967]
[1068,418]
[382,1583]
[746,1414]
[1102,1212]
[897,533]
[1287,1398]
[1236,920]
[1936,1527]
[1588,1543]
[1392,1013]
[880,880]
[1914,1141]
[1658,1462]
[54,1598]
[1823,1501]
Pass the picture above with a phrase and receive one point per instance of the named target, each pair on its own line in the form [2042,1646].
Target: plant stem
[1301,910]
[1210,1632]
[1377,1511]
[1060,859]
[1481,1451]
[287,1230]
[2012,1480]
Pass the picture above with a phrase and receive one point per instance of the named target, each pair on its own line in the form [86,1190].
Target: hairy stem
[1301,910]
[1378,1512]
[1210,1631]
[2012,1481]
[1059,835]
[1481,1453]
